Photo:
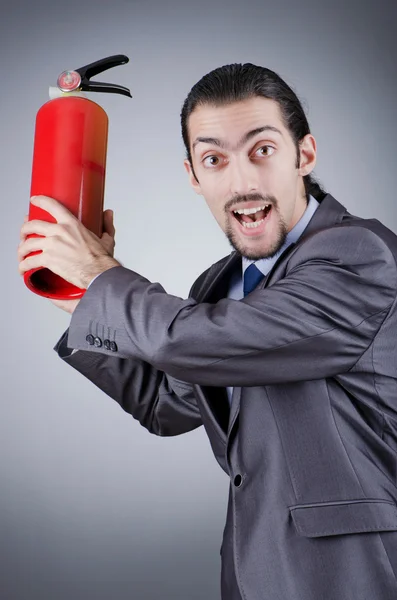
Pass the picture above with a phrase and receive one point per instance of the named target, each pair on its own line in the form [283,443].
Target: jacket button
[90,339]
[106,344]
[98,342]
[237,480]
[113,346]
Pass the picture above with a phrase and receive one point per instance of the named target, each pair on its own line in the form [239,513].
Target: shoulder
[355,241]
[364,247]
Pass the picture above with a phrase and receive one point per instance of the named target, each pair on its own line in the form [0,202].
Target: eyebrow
[247,136]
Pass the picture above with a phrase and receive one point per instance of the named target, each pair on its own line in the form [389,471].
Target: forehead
[230,121]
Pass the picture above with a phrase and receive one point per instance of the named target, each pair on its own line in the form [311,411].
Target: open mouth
[252,218]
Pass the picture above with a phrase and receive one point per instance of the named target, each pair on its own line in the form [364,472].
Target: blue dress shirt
[265,264]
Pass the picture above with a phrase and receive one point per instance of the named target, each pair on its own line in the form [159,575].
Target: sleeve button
[90,339]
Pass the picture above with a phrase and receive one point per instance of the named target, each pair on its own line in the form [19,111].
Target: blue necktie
[252,277]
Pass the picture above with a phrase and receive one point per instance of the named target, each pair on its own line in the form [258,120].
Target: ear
[308,150]
[192,180]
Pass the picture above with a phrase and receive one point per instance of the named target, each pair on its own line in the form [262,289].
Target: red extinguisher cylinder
[69,164]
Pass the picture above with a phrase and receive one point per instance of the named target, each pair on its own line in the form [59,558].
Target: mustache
[236,200]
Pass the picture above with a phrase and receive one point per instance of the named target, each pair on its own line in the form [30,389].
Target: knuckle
[50,240]
[61,228]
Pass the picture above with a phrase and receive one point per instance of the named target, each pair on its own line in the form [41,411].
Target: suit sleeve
[162,404]
[316,322]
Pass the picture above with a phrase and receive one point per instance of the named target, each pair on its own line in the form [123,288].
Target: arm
[315,322]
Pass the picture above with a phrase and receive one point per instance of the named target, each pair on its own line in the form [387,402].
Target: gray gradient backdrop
[91,504]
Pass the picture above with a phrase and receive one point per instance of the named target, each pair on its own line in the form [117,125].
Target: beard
[246,250]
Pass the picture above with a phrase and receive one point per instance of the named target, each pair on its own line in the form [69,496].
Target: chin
[256,249]
[257,253]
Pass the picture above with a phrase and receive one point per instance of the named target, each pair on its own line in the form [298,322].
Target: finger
[54,207]
[32,262]
[30,245]
[108,223]
[108,215]
[22,233]
[40,227]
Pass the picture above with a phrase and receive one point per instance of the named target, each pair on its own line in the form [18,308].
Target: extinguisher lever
[98,86]
[99,66]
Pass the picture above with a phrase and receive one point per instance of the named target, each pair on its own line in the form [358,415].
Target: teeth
[253,224]
[250,211]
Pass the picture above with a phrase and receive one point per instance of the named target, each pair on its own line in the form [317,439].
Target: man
[294,382]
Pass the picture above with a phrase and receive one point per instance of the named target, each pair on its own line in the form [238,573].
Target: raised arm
[339,286]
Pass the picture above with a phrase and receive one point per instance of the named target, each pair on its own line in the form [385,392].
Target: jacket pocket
[348,516]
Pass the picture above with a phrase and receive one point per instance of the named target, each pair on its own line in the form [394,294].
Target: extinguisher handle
[99,66]
[102,65]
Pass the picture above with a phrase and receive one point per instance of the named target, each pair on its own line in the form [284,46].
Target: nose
[243,177]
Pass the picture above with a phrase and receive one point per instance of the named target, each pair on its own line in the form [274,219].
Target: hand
[68,248]
[107,240]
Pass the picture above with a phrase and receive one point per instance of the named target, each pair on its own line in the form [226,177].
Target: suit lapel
[215,284]
[214,287]
[328,214]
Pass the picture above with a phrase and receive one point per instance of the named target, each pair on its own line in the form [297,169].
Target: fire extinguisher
[69,161]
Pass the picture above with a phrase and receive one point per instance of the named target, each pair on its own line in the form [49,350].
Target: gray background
[92,505]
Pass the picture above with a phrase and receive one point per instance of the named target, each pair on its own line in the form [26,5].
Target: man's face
[238,171]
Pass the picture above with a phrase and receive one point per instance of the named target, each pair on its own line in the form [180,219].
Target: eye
[210,156]
[268,147]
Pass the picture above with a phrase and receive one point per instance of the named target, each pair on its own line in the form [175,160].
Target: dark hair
[235,82]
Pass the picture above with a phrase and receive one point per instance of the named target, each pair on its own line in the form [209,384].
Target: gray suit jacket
[310,443]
